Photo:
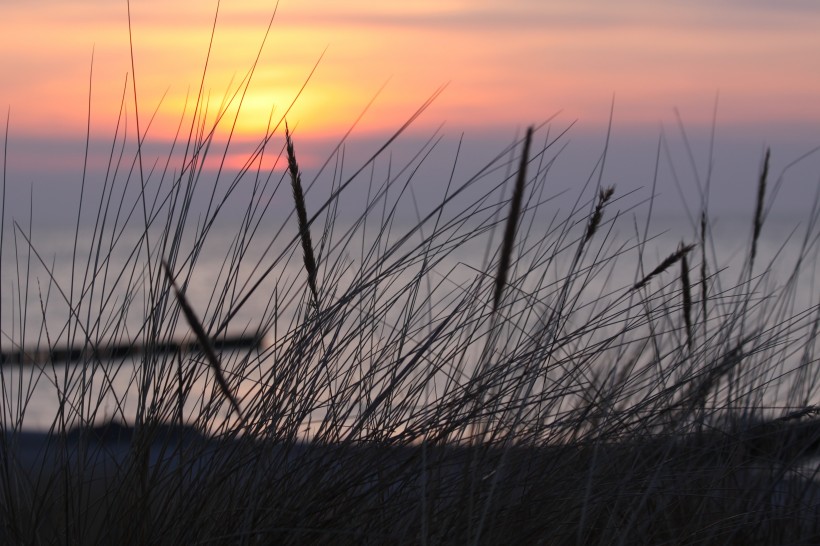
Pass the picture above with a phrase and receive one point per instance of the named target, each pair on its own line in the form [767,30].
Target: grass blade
[670,260]
[512,223]
[301,215]
[205,343]
[687,299]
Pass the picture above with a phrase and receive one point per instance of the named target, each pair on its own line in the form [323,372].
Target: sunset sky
[507,64]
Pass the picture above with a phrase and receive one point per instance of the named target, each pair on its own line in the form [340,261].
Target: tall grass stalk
[512,223]
[301,215]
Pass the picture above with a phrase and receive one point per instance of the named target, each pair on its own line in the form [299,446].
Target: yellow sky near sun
[508,62]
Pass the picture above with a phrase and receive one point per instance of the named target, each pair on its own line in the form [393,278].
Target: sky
[747,67]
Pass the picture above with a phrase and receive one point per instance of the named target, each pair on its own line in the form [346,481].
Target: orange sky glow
[506,63]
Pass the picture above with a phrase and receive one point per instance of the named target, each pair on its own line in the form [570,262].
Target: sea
[63,284]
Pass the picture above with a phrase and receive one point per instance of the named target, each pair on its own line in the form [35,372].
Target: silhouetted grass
[686,288]
[301,216]
[408,405]
[512,222]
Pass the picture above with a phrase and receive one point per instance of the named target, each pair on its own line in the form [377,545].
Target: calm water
[36,289]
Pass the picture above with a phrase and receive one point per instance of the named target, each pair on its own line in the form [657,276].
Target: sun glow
[506,65]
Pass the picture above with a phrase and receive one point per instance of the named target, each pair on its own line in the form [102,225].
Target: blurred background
[747,68]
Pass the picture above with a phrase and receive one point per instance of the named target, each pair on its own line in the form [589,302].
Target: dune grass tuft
[432,395]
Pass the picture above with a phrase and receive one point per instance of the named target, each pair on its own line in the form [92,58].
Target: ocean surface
[56,293]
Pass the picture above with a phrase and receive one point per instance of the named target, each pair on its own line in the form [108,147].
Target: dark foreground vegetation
[748,485]
[399,396]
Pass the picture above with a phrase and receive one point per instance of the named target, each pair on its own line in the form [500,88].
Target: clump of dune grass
[408,405]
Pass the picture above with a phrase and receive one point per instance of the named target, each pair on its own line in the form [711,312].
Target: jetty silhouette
[116,351]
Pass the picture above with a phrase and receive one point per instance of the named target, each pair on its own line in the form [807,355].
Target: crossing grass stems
[362,415]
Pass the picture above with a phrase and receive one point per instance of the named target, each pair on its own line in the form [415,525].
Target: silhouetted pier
[90,352]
